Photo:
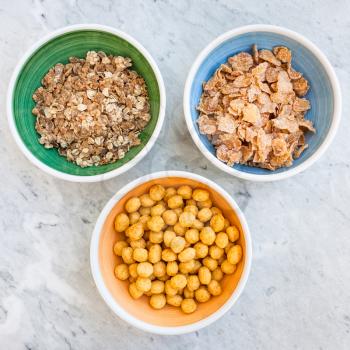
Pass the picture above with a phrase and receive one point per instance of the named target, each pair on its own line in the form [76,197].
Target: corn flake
[253,109]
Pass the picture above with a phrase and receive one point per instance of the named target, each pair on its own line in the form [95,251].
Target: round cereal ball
[188,306]
[228,247]
[134,291]
[177,244]
[221,240]
[133,270]
[169,217]
[198,225]
[121,222]
[207,235]
[168,237]
[200,195]
[143,284]
[158,210]
[133,204]
[178,211]
[169,192]
[143,220]
[202,295]
[172,268]
[127,254]
[217,274]
[157,287]
[179,229]
[204,214]
[145,211]
[185,191]
[144,269]
[157,192]
[232,233]
[187,254]
[140,254]
[228,268]
[175,202]
[210,263]
[174,300]
[192,235]
[217,222]
[215,252]
[156,237]
[140,243]
[135,231]
[205,204]
[234,255]
[191,202]
[159,269]
[155,253]
[169,289]
[196,267]
[147,201]
[155,223]
[214,288]
[187,266]
[204,275]
[188,293]
[164,278]
[186,219]
[193,282]
[149,293]
[221,260]
[168,255]
[178,281]
[201,250]
[122,272]
[134,217]
[157,301]
[215,210]
[191,209]
[118,247]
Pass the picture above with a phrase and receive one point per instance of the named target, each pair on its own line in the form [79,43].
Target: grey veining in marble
[298,294]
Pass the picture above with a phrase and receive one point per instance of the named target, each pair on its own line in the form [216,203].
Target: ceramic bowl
[58,47]
[169,320]
[324,94]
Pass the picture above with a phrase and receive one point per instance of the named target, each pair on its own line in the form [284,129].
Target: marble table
[298,293]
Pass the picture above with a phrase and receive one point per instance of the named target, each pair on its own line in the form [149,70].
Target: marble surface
[298,294]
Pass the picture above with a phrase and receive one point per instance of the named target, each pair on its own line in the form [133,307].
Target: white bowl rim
[112,173]
[118,309]
[305,42]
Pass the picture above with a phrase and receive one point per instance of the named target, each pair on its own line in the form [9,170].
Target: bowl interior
[59,49]
[169,316]
[320,93]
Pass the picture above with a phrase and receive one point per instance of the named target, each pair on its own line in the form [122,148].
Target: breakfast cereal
[179,250]
[253,109]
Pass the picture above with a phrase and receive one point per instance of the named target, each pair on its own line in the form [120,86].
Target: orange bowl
[169,320]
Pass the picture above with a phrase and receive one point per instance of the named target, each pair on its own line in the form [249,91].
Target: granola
[92,109]
[253,109]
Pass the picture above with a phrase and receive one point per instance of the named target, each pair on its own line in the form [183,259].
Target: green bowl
[58,47]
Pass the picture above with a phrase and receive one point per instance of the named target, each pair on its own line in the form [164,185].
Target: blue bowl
[324,93]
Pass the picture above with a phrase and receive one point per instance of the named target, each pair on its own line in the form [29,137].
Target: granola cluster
[253,111]
[92,110]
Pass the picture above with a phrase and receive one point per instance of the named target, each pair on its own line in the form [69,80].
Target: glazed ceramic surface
[169,320]
[324,93]
[77,41]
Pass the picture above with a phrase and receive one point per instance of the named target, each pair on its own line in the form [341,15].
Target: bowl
[169,320]
[324,94]
[57,47]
